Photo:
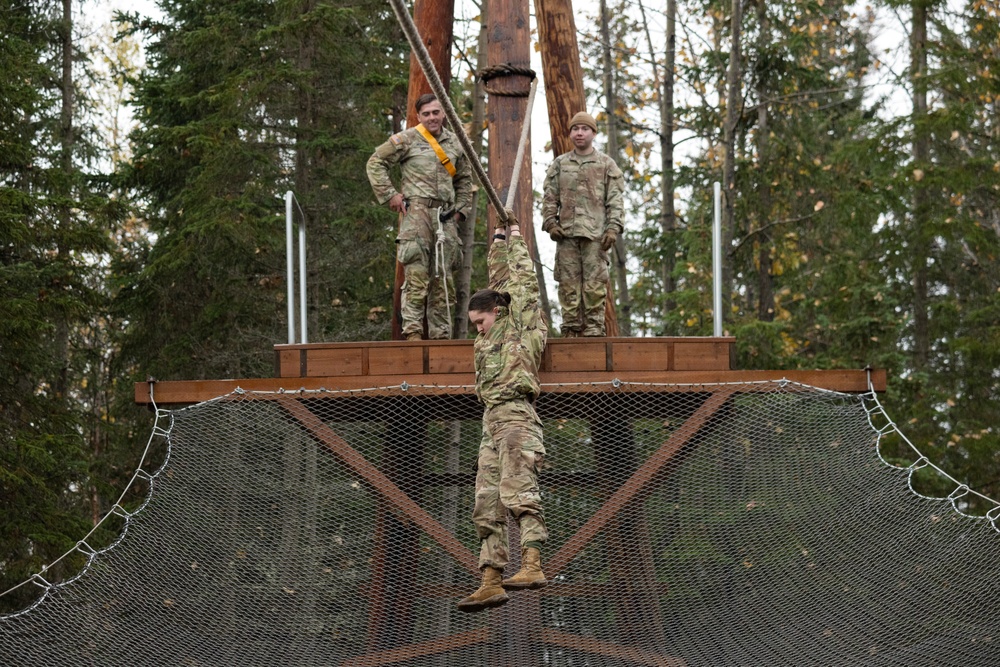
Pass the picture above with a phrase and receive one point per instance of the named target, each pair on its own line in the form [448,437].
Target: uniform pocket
[409,251]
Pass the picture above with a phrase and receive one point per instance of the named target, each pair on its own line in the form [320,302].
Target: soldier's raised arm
[496,262]
[523,283]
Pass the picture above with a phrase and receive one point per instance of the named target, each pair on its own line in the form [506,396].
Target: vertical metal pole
[717,263]
[289,267]
[303,328]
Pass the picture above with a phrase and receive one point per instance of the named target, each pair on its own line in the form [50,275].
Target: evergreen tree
[54,224]
[945,241]
[241,102]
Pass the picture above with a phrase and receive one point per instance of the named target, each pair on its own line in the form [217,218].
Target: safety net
[738,524]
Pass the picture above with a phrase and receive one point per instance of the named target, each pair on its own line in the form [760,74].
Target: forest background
[142,166]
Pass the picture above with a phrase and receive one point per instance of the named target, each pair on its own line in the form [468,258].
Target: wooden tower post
[561,69]
[509,61]
[564,94]
[434,19]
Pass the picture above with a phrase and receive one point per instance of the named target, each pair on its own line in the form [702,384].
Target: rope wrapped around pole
[424,58]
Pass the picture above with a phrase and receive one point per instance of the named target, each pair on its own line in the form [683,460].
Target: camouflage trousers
[425,286]
[510,455]
[582,273]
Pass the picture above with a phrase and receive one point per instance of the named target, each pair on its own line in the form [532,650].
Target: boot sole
[529,586]
[488,603]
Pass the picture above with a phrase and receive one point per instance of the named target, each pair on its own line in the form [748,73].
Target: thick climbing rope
[427,66]
[506,69]
[521,144]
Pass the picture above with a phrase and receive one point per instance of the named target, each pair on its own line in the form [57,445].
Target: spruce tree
[54,228]
[241,102]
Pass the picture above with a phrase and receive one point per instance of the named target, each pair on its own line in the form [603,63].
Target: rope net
[753,524]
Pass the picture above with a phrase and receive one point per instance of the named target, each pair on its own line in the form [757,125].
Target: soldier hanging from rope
[508,352]
[436,194]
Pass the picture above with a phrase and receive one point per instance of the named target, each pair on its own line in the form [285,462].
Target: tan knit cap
[583,118]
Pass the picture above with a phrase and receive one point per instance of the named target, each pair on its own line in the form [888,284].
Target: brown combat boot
[489,594]
[414,336]
[530,576]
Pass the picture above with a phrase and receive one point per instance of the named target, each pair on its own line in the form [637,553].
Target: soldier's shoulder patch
[396,139]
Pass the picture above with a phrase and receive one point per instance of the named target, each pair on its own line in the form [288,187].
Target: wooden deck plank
[178,392]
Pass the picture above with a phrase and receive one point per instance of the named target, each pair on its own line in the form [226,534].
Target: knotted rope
[506,69]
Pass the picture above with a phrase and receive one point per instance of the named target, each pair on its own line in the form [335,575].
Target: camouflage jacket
[423,173]
[509,355]
[583,195]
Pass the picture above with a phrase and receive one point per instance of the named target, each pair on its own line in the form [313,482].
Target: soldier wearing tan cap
[583,212]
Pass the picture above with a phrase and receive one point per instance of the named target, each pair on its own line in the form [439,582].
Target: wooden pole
[508,44]
[434,19]
[564,93]
[561,69]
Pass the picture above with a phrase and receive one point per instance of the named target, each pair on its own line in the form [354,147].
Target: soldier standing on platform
[508,352]
[436,194]
[583,212]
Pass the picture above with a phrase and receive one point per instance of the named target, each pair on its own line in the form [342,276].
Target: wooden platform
[449,364]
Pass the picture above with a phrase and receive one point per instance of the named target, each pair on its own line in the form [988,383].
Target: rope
[439,259]
[521,144]
[424,58]
[497,71]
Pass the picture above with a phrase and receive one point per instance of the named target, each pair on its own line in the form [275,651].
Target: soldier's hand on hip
[556,233]
[398,203]
[608,240]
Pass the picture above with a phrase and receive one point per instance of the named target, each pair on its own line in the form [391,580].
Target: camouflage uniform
[511,451]
[583,196]
[426,186]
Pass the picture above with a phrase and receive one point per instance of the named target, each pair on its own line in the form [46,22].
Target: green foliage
[832,210]
[55,218]
[240,103]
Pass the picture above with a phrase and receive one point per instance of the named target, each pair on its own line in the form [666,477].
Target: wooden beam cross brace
[379,483]
[637,483]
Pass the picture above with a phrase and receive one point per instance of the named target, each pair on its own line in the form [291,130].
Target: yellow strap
[445,160]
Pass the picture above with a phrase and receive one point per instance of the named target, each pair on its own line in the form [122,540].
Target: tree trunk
[564,92]
[561,69]
[434,19]
[733,110]
[668,213]
[612,325]
[463,285]
[509,43]
[67,142]
[765,281]
[921,160]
